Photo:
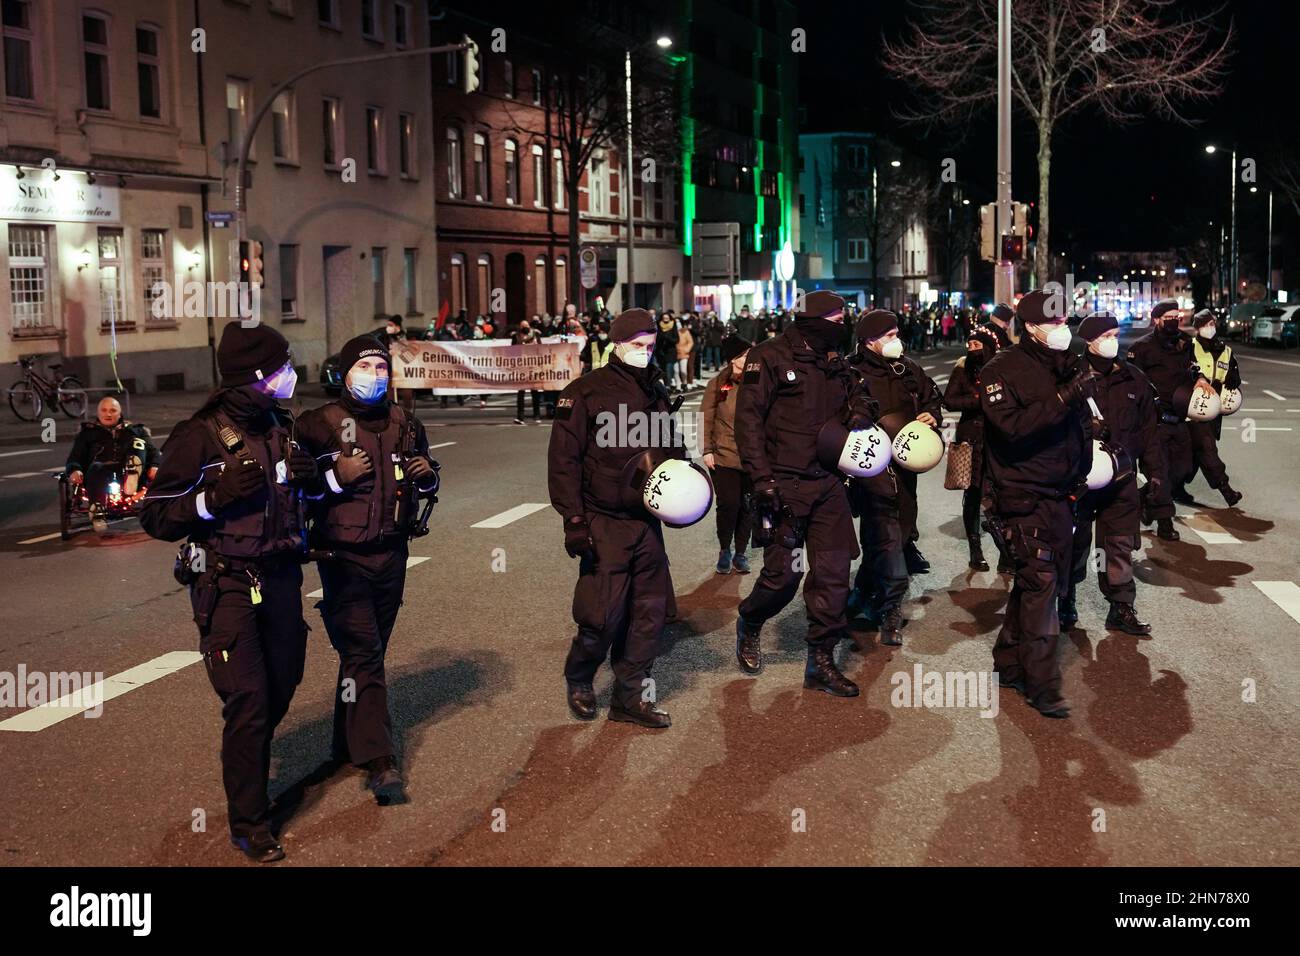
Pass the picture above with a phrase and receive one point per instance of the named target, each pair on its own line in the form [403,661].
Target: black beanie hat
[630,324]
[1037,307]
[1097,323]
[363,346]
[1003,312]
[732,346]
[820,304]
[1161,307]
[875,323]
[1202,317]
[249,354]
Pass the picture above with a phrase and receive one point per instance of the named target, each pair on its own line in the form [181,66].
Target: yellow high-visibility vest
[600,353]
[1215,370]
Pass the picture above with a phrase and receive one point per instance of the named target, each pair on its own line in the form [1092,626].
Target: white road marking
[1285,594]
[506,517]
[26,474]
[1273,395]
[44,537]
[1262,428]
[69,705]
[411,561]
[25,451]
[441,445]
[1207,529]
[926,368]
[1255,409]
[1257,358]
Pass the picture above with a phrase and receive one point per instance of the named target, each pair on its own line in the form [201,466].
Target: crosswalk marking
[38,540]
[1273,395]
[411,561]
[1207,529]
[506,517]
[47,715]
[1285,594]
[25,451]
[441,445]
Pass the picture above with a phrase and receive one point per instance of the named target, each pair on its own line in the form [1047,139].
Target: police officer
[1164,355]
[374,457]
[599,347]
[793,385]
[232,481]
[621,599]
[999,324]
[1217,365]
[108,444]
[1126,401]
[1037,455]
[963,395]
[904,393]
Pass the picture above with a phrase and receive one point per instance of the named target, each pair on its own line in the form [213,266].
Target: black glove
[861,413]
[424,472]
[352,468]
[243,480]
[302,466]
[767,511]
[577,538]
[1077,390]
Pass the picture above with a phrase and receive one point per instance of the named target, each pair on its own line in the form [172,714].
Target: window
[237,94]
[537,87]
[598,184]
[539,284]
[539,178]
[29,269]
[455,185]
[331,131]
[370,26]
[153,271]
[480,168]
[561,283]
[408,279]
[16,26]
[289,282]
[897,251]
[146,71]
[857,157]
[94,35]
[110,277]
[401,25]
[484,283]
[857,250]
[377,278]
[855,202]
[376,161]
[282,6]
[512,172]
[508,74]
[327,12]
[283,128]
[457,285]
[406,144]
[559,178]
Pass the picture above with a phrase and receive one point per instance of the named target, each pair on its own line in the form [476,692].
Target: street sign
[588,267]
[221,216]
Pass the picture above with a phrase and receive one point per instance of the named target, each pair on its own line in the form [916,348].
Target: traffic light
[1013,248]
[988,219]
[255,265]
[469,81]
[1020,219]
[243,261]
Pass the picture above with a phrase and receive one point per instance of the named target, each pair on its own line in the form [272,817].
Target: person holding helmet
[232,480]
[794,384]
[1217,365]
[1164,355]
[963,395]
[718,444]
[620,603]
[1037,452]
[905,394]
[1126,401]
[375,460]
[110,446]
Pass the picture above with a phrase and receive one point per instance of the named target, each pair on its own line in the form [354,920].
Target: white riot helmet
[864,453]
[1110,463]
[917,447]
[678,493]
[1201,405]
[1230,399]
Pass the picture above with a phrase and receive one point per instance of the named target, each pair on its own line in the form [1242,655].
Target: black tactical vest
[380,504]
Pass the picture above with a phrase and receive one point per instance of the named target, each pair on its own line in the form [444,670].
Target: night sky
[1142,186]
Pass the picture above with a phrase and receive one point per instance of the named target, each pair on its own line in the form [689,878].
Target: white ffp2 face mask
[892,349]
[1058,337]
[1106,348]
[633,357]
[1206,331]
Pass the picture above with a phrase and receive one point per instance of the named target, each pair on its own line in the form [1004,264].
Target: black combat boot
[1165,529]
[1229,495]
[916,562]
[1182,495]
[1123,617]
[1067,613]
[977,562]
[643,713]
[748,650]
[822,674]
[582,701]
[385,781]
[891,626]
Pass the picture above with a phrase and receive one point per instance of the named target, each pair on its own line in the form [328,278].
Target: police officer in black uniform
[109,446]
[374,457]
[621,600]
[1126,400]
[1164,355]
[1216,363]
[904,393]
[1038,455]
[233,482]
[792,386]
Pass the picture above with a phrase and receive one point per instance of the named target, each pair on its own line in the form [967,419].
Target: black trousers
[1042,540]
[730,485]
[254,655]
[826,547]
[1173,461]
[1114,509]
[907,508]
[359,607]
[519,404]
[620,605]
[1204,441]
[883,572]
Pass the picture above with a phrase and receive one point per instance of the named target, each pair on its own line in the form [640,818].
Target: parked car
[1277,324]
[331,379]
[1240,320]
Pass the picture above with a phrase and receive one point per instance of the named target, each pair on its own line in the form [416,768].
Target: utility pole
[627,176]
[1004,273]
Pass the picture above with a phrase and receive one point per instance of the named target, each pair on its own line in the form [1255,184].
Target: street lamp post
[663,43]
[1232,238]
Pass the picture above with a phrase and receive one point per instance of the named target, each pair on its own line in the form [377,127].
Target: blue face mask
[368,387]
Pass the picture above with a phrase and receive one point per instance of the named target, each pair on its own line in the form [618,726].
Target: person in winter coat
[666,347]
[963,395]
[731,485]
[685,344]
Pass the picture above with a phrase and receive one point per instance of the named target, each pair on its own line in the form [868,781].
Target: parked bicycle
[29,396]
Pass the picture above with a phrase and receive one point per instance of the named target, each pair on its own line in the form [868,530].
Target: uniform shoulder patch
[994,392]
[752,371]
[564,408]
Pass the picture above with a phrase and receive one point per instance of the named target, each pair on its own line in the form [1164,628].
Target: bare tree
[901,197]
[1124,59]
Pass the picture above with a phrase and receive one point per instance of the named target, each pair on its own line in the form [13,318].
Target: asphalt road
[1163,761]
